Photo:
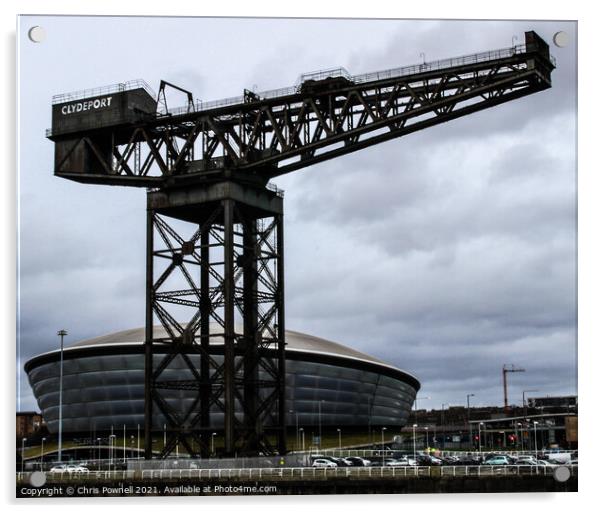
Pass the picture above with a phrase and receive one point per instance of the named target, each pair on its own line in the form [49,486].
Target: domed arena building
[327,383]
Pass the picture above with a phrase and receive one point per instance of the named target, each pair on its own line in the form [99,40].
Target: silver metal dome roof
[295,341]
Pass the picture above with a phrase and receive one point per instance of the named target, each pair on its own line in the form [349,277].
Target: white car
[324,463]
[58,469]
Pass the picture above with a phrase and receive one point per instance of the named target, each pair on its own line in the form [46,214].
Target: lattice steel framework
[233,270]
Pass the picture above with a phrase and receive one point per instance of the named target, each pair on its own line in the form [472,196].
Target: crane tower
[207,166]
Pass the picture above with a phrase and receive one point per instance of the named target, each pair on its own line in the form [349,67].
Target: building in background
[328,385]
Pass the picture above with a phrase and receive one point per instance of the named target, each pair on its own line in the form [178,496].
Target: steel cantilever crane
[209,164]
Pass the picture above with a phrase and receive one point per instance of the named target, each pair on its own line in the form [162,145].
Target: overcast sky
[447,253]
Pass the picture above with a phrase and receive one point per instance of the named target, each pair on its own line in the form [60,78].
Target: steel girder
[260,138]
[232,270]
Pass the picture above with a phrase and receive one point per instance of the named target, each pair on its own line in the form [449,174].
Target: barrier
[302,473]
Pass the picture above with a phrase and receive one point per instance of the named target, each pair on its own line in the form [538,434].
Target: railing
[366,77]
[316,75]
[99,91]
[313,473]
[324,74]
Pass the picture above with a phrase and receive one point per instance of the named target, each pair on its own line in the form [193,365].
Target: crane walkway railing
[366,77]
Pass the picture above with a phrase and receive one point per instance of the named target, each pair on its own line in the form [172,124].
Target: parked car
[526,460]
[396,463]
[356,461]
[427,460]
[498,460]
[321,462]
[69,469]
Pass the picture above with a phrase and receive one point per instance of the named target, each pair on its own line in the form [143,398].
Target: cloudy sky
[447,253]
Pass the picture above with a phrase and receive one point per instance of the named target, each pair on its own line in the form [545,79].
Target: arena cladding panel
[327,383]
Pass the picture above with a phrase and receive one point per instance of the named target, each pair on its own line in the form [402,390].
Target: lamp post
[535,436]
[468,396]
[62,334]
[23,454]
[213,444]
[164,435]
[382,447]
[124,435]
[426,438]
[302,439]
[520,425]
[138,441]
[480,424]
[296,428]
[42,455]
[111,445]
[414,436]
[98,455]
[339,432]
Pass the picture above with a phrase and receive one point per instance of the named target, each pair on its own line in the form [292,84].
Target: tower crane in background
[209,164]
[505,370]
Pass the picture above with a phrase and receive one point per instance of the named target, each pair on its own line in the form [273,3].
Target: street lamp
[426,439]
[138,440]
[23,454]
[98,456]
[468,396]
[212,444]
[296,428]
[164,435]
[302,438]
[414,433]
[382,448]
[111,445]
[42,455]
[520,425]
[62,334]
[480,424]
[339,431]
[535,436]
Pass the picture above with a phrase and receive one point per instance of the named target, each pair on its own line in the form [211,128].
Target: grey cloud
[448,252]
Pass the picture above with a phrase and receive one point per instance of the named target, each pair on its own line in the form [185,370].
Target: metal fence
[303,473]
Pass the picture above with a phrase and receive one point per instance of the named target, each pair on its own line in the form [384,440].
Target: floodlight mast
[209,164]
